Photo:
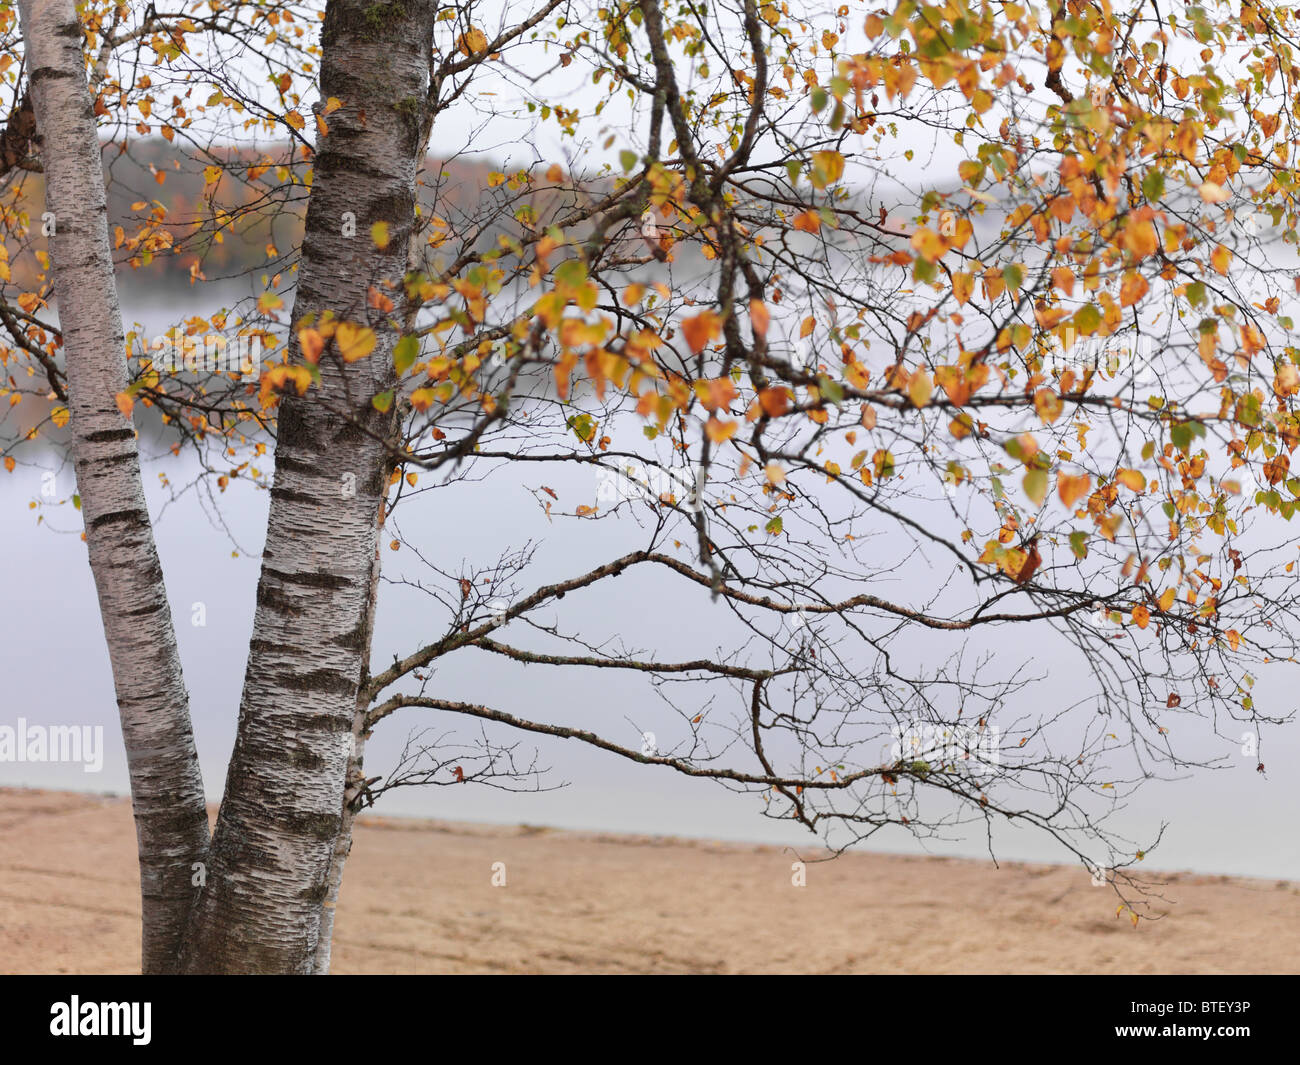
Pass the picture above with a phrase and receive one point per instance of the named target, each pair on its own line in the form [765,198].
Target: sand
[418,898]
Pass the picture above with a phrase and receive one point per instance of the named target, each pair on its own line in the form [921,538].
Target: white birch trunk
[166,789]
[282,813]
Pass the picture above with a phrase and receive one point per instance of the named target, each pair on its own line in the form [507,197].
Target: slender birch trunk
[166,788]
[283,809]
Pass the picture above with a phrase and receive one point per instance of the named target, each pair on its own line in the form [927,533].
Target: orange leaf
[1071,489]
[701,329]
[808,221]
[1132,479]
[719,431]
[312,344]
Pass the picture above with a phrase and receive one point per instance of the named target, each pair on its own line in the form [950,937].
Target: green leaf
[584,427]
[405,353]
[628,160]
[774,526]
[1036,485]
[1087,319]
[383,401]
[1079,544]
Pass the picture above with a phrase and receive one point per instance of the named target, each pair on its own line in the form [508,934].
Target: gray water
[1233,820]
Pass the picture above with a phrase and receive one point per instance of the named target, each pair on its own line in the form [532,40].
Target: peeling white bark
[166,789]
[281,817]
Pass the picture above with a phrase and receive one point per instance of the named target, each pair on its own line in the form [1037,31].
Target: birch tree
[166,790]
[911,342]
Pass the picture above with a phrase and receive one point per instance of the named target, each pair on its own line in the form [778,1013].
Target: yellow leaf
[295,120]
[379,234]
[920,388]
[1220,259]
[827,168]
[124,403]
[1131,479]
[269,301]
[60,416]
[355,341]
[472,42]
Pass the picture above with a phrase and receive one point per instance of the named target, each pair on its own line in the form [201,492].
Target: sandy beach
[419,898]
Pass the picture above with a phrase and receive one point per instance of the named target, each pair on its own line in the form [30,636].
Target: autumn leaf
[472,42]
[827,168]
[355,342]
[701,329]
[125,404]
[1131,479]
[962,287]
[1048,405]
[774,401]
[1071,489]
[1133,288]
[807,221]
[312,344]
[720,431]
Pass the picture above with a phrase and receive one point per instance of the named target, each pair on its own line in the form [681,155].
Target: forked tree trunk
[166,789]
[283,808]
